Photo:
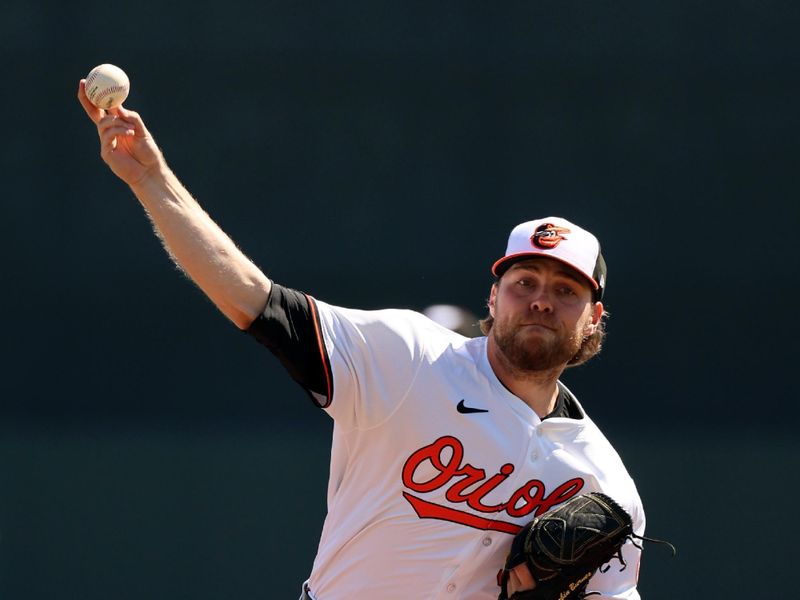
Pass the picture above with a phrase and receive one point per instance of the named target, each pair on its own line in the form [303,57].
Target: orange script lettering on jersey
[530,498]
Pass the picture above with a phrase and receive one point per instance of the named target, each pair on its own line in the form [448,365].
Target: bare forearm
[201,249]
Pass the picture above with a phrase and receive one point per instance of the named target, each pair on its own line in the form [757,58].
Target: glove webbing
[618,556]
[631,537]
[604,568]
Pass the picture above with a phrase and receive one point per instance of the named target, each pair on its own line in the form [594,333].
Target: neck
[537,389]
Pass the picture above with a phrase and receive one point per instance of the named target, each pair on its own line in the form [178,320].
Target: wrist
[154,178]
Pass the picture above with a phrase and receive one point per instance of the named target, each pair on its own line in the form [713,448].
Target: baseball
[107,86]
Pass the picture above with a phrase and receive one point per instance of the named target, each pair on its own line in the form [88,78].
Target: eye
[566,291]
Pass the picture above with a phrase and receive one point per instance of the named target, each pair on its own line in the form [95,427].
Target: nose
[542,302]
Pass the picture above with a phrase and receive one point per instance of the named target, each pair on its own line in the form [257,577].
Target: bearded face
[542,312]
[535,347]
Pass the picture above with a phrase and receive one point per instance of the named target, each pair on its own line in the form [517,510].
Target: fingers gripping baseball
[126,145]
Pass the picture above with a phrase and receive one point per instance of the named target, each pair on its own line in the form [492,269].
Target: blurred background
[376,154]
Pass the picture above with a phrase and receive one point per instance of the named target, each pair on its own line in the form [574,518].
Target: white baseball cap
[555,237]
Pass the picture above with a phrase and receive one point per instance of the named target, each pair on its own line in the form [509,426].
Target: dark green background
[377,154]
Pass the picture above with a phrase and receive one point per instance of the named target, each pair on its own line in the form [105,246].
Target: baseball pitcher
[444,448]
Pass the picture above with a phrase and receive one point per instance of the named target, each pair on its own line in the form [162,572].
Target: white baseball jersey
[435,465]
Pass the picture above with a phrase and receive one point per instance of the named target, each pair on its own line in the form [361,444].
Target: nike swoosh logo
[465,410]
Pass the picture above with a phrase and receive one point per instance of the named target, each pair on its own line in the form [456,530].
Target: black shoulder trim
[323,354]
[289,327]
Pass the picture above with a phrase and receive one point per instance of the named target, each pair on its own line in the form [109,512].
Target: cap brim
[502,265]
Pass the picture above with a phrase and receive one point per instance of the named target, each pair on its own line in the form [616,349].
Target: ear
[597,314]
[492,299]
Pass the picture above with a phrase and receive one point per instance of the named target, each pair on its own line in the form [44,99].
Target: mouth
[537,326]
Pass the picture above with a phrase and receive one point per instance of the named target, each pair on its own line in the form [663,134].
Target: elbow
[243,312]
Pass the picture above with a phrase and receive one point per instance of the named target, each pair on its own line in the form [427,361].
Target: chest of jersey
[435,465]
[449,486]
[457,451]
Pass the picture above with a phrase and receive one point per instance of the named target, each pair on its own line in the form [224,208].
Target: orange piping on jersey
[321,348]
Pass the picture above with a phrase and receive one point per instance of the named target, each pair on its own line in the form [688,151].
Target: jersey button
[451,588]
[534,456]
[487,541]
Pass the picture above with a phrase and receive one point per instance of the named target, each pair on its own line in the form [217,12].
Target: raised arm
[197,245]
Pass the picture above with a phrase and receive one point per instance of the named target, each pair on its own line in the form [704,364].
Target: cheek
[506,306]
[501,313]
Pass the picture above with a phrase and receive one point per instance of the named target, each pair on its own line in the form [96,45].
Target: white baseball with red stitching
[107,86]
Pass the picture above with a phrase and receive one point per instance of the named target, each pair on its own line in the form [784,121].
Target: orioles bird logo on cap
[548,236]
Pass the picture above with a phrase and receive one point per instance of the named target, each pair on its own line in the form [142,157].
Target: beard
[533,353]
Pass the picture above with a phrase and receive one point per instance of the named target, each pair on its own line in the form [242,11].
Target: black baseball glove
[564,547]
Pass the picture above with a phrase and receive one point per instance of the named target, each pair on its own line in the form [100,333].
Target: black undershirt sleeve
[289,328]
